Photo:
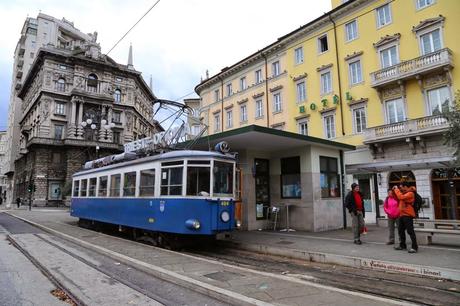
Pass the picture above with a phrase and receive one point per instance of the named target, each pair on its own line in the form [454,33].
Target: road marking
[186,279]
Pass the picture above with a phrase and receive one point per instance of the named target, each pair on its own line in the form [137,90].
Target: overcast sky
[175,43]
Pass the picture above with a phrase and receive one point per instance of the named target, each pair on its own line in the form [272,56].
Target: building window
[60,85]
[196,129]
[438,100]
[243,84]
[329,177]
[102,189]
[322,44]
[356,75]
[258,76]
[243,113]
[298,55]
[395,110]
[302,126]
[359,119]
[91,83]
[388,57]
[57,158]
[301,92]
[277,107]
[60,108]
[383,15]
[431,42]
[229,90]
[117,95]
[116,117]
[326,83]
[290,178]
[229,119]
[259,108]
[276,70]
[351,30]
[198,180]
[116,137]
[171,181]
[329,126]
[129,184]
[115,184]
[58,131]
[216,95]
[423,3]
[217,123]
[147,184]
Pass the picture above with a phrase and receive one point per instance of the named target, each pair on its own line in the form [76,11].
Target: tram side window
[102,191]
[76,188]
[129,187]
[198,181]
[171,181]
[84,187]
[115,181]
[92,187]
[223,179]
[147,186]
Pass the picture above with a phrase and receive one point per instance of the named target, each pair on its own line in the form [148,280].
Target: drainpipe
[338,75]
[342,172]
[221,102]
[266,88]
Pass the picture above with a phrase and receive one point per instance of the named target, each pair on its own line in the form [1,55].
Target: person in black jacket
[355,205]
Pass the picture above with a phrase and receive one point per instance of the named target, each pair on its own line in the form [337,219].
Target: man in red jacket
[406,197]
[355,205]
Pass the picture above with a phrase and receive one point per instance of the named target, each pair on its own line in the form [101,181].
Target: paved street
[228,283]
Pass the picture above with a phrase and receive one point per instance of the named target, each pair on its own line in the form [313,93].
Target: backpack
[418,202]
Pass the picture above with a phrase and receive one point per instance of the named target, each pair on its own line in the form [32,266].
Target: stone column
[72,129]
[80,119]
[102,130]
[109,121]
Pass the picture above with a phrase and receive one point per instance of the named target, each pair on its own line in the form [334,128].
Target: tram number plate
[224,203]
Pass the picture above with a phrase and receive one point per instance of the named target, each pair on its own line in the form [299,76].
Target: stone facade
[77,105]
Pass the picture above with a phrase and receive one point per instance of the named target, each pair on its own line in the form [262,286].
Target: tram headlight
[193,224]
[225,216]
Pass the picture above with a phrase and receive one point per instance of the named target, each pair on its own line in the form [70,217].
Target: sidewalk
[440,260]
[228,283]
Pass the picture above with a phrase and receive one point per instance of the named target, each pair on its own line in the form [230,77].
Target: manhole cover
[285,242]
[223,276]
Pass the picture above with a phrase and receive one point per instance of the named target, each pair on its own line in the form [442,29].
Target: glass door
[262,184]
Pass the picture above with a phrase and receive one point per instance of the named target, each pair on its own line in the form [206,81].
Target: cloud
[175,43]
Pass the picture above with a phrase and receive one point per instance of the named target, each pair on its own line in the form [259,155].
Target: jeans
[407,224]
[357,223]
[391,227]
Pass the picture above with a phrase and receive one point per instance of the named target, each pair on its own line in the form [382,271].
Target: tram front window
[198,181]
[223,179]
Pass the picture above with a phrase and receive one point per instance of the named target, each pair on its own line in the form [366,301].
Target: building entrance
[262,182]
[446,193]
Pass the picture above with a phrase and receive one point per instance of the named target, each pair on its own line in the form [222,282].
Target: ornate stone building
[76,105]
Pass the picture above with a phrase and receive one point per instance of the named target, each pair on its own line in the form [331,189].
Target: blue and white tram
[179,193]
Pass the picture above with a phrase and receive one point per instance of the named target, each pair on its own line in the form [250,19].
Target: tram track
[423,291]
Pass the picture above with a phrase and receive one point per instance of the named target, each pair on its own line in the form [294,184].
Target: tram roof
[179,154]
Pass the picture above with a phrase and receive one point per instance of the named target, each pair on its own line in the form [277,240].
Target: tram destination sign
[164,140]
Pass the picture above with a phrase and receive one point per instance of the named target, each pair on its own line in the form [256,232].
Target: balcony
[411,68]
[94,88]
[411,128]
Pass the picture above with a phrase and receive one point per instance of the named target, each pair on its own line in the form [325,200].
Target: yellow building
[370,73]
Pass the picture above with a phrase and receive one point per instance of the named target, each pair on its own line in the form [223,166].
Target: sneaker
[357,242]
[412,251]
[389,242]
[399,248]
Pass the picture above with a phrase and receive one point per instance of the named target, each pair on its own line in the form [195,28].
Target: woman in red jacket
[391,208]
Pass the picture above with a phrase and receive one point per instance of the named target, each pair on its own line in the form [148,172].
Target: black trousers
[407,224]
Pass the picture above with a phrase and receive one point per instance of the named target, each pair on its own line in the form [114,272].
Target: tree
[452,136]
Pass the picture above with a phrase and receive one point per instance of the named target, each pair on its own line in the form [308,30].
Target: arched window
[398,177]
[92,83]
[60,84]
[117,95]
